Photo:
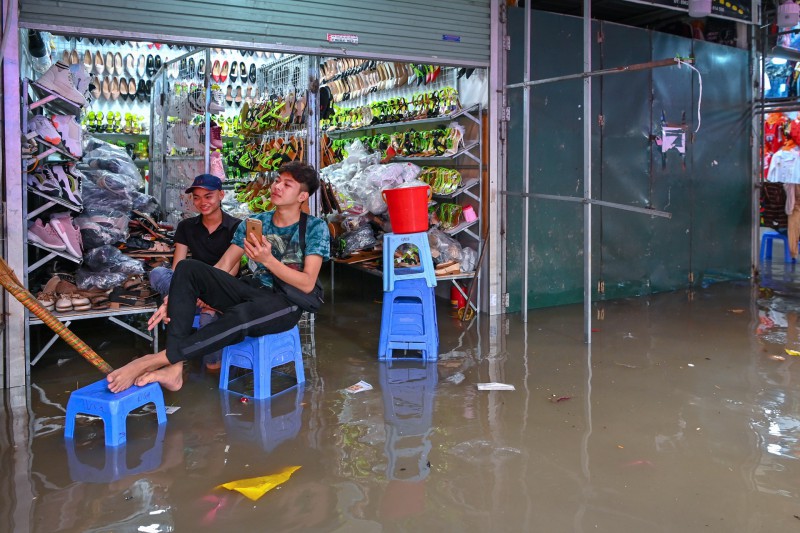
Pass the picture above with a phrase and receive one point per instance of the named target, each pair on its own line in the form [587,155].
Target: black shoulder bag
[310,301]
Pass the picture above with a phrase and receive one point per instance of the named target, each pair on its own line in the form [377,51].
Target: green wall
[708,193]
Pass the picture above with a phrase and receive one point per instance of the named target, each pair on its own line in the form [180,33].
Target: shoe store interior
[114,132]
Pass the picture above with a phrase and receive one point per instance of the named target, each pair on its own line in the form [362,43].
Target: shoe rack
[412,113]
[43,156]
[38,155]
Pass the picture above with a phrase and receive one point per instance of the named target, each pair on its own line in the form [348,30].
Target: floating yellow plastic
[256,487]
[791,352]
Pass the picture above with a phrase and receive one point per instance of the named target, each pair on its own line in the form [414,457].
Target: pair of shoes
[70,132]
[69,233]
[44,129]
[64,81]
[45,235]
[69,298]
[47,296]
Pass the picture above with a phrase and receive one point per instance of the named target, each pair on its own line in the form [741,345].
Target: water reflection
[114,461]
[267,422]
[408,390]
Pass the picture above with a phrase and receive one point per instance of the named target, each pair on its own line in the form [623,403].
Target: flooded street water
[679,417]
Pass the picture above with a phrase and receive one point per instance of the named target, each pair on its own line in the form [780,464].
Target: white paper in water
[495,386]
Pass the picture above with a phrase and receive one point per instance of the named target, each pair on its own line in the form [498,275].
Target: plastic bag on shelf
[145,203]
[111,193]
[110,259]
[444,248]
[100,226]
[86,279]
[99,155]
[353,241]
[353,222]
[468,259]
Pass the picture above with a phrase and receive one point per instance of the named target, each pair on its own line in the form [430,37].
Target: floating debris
[554,398]
[776,357]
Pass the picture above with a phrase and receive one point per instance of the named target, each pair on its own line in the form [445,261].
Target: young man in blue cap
[250,306]
[206,236]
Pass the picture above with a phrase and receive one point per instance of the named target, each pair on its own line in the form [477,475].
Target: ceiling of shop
[620,11]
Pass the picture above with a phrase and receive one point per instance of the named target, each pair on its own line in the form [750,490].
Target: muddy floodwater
[683,415]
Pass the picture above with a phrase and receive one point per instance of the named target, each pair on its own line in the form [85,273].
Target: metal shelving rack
[35,96]
[471,153]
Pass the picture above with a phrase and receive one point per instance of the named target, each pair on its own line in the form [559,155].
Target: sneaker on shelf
[70,132]
[69,233]
[215,165]
[60,79]
[44,129]
[69,184]
[83,81]
[44,183]
[216,105]
[45,235]
[216,136]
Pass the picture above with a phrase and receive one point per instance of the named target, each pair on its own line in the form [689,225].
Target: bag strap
[303,224]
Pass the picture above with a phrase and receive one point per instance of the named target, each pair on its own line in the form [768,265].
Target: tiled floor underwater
[683,415]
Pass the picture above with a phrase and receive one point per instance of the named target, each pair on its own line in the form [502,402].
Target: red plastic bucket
[408,208]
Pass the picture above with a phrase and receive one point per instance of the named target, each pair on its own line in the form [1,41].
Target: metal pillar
[587,171]
[495,282]
[526,156]
[16,367]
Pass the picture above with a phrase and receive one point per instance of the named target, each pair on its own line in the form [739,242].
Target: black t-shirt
[204,247]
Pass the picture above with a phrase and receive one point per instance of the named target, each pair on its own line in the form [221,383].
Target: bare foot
[170,377]
[122,378]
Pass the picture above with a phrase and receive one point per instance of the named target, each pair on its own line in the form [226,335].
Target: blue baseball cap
[206,181]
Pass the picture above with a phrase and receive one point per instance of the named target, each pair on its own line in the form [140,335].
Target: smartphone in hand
[253,230]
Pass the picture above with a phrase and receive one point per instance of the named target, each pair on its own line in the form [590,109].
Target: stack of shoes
[134,292]
[69,298]
[63,181]
[64,296]
[60,235]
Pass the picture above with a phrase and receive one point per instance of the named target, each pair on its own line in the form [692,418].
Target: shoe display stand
[467,159]
[180,132]
[38,99]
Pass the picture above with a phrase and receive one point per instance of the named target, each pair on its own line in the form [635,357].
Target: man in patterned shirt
[250,306]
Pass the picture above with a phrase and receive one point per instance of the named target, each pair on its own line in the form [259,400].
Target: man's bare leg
[170,377]
[122,378]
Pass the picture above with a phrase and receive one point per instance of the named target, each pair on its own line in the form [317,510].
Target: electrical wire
[700,95]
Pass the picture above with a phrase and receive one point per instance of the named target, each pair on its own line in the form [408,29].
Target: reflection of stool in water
[408,391]
[262,354]
[116,464]
[766,246]
[274,420]
[96,399]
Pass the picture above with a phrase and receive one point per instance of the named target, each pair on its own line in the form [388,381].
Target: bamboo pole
[11,283]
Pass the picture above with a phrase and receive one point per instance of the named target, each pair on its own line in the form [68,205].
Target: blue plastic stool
[262,354]
[391,241]
[116,462]
[268,422]
[96,399]
[408,320]
[766,246]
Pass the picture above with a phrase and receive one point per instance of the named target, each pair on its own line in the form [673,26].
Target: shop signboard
[739,10]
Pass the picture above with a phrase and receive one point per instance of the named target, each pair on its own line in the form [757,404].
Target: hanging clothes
[773,206]
[785,166]
[773,132]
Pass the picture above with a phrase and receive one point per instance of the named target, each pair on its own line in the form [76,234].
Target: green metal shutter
[454,32]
